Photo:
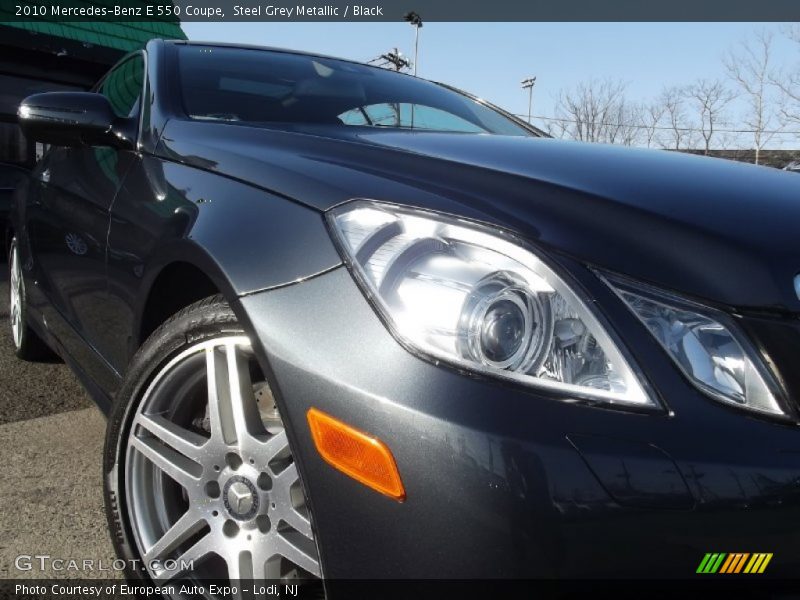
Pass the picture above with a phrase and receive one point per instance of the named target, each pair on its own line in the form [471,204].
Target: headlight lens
[707,346]
[457,292]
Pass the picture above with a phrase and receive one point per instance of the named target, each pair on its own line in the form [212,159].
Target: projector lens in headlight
[467,295]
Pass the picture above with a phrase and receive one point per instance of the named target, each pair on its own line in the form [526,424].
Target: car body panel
[243,239]
[691,216]
[10,177]
[67,213]
[98,224]
[497,478]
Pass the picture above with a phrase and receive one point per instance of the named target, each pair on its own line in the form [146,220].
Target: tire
[27,344]
[243,483]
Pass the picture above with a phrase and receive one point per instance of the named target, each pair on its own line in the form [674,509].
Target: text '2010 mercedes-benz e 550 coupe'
[348,323]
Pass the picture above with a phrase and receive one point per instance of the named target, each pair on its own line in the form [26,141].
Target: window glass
[414,116]
[238,84]
[123,86]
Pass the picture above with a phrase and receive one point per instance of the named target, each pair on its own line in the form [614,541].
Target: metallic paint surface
[490,471]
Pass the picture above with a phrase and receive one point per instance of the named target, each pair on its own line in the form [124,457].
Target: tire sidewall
[207,319]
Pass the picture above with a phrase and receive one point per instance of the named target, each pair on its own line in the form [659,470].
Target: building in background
[769,158]
[39,56]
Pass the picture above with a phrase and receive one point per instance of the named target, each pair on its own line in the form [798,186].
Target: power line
[664,128]
[394,57]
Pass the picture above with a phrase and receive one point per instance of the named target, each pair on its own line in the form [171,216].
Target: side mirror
[74,119]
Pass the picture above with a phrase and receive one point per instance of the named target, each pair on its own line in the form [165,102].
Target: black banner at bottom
[701,587]
[728,587]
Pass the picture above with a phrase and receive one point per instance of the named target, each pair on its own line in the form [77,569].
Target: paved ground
[51,439]
[29,390]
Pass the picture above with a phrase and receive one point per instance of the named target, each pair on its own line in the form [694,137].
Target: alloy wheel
[211,483]
[15,296]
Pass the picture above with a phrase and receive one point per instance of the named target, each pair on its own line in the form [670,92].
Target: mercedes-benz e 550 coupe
[348,323]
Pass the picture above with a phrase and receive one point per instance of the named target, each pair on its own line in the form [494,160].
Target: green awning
[119,36]
[123,36]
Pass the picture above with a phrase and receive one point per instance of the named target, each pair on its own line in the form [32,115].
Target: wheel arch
[183,274]
[234,240]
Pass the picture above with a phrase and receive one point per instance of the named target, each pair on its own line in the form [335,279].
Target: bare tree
[678,133]
[628,130]
[708,98]
[750,67]
[557,128]
[651,117]
[788,82]
[595,111]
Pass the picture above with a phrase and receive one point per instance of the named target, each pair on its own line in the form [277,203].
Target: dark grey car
[354,324]
[10,177]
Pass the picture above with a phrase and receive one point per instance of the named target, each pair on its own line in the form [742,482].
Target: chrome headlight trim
[355,247]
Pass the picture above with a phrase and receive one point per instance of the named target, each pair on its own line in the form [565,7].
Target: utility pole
[414,19]
[394,58]
[527,84]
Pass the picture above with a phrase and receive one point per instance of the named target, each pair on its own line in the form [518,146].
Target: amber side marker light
[357,454]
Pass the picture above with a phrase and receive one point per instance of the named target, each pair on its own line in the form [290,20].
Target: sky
[490,59]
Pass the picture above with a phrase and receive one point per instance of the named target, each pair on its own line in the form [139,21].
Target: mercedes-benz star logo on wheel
[241,498]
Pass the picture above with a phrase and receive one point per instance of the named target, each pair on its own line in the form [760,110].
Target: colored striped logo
[735,562]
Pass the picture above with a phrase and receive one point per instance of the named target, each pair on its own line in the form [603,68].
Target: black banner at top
[394,10]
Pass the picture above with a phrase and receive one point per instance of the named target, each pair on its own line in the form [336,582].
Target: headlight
[706,345]
[467,295]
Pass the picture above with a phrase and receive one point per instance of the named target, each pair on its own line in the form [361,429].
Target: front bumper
[504,482]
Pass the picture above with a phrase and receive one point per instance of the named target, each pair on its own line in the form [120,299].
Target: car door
[68,229]
[10,177]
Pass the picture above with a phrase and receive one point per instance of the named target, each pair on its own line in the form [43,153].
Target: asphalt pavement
[51,442]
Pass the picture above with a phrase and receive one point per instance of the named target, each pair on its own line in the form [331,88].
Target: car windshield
[263,86]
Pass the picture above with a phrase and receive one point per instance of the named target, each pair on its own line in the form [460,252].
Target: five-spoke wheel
[228,469]
[210,486]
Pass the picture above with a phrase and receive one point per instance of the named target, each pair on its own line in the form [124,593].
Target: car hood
[715,229]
